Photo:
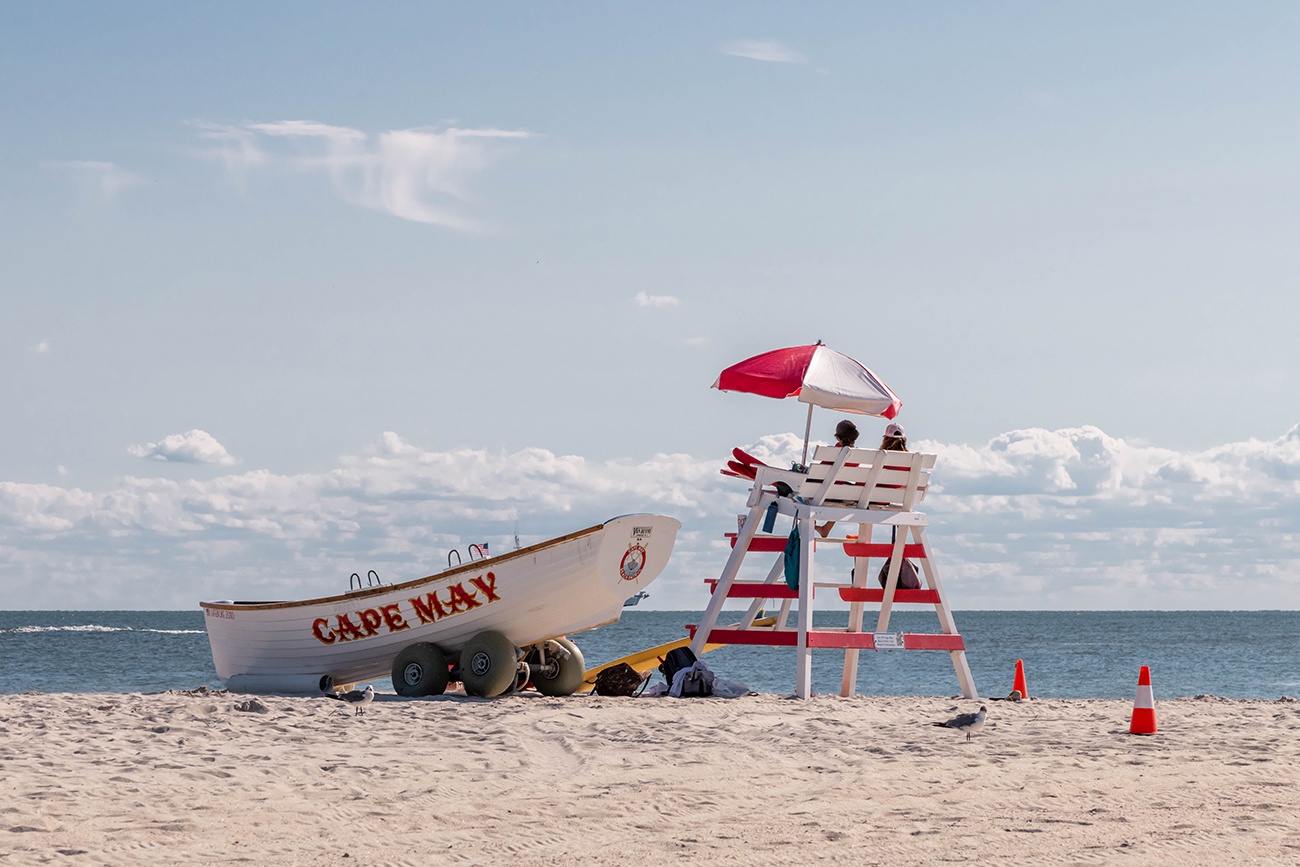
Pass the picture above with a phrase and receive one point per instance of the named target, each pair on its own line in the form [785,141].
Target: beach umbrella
[816,375]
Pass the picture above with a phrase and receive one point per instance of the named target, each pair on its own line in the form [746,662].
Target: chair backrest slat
[866,478]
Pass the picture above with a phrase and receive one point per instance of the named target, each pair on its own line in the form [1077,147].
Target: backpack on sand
[621,680]
[697,683]
[674,661]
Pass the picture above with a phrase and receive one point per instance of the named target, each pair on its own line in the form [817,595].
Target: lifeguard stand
[859,487]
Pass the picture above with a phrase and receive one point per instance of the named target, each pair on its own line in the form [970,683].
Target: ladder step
[755,590]
[763,544]
[873,594]
[881,549]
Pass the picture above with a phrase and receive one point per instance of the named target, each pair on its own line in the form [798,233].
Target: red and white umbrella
[818,376]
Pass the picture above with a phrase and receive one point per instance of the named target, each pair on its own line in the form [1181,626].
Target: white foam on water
[88,627]
[95,627]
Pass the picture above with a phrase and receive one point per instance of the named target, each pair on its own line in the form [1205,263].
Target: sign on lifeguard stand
[874,490]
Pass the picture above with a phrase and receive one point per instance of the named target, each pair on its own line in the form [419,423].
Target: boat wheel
[522,678]
[420,669]
[488,664]
[565,674]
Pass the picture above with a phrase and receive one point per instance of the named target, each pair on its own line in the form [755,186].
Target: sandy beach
[190,778]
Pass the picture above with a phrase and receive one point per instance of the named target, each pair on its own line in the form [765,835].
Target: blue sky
[311,232]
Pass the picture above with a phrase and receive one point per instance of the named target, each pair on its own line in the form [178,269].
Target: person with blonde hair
[894,439]
[846,434]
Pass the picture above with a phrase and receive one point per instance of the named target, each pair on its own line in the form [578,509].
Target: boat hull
[565,585]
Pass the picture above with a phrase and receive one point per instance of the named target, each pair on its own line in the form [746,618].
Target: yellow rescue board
[649,659]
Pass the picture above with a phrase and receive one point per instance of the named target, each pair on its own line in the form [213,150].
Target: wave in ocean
[94,627]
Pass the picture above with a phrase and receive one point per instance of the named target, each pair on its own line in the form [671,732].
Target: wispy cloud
[100,181]
[766,50]
[644,300]
[1035,518]
[235,148]
[415,174]
[191,447]
[41,348]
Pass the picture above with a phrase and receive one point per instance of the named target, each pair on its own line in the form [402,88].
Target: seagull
[358,698]
[966,722]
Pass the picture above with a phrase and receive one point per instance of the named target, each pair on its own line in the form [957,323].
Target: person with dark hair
[846,434]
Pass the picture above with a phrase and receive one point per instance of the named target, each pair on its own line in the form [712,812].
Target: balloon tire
[496,659]
[420,669]
[569,678]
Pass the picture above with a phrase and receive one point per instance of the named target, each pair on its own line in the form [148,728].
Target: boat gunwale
[365,593]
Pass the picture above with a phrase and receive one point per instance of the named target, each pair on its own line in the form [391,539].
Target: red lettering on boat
[422,609]
[429,608]
[458,597]
[347,630]
[393,617]
[370,621]
[488,584]
[320,627]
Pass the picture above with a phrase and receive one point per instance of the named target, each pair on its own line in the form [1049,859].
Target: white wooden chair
[849,486]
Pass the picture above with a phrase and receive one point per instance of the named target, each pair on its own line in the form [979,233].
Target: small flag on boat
[481,549]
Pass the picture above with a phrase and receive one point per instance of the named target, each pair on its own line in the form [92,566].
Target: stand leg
[803,661]
[895,567]
[964,676]
[743,538]
[849,683]
[946,623]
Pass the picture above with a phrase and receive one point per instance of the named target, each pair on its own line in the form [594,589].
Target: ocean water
[1067,654]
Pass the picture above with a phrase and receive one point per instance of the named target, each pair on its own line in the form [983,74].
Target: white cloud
[191,447]
[41,348]
[644,300]
[1035,518]
[309,129]
[235,148]
[1100,522]
[101,181]
[414,174]
[769,51]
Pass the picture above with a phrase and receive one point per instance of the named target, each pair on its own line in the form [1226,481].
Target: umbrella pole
[807,432]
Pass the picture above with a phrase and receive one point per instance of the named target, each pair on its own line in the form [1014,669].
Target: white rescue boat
[495,624]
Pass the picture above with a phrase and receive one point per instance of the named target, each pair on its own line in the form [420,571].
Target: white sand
[180,779]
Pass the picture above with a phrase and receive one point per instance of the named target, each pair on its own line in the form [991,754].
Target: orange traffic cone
[1144,707]
[1019,684]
